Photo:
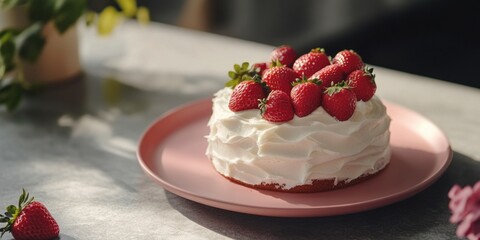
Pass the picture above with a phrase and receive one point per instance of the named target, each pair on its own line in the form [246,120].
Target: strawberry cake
[309,124]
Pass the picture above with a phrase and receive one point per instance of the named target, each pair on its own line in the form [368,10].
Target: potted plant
[38,40]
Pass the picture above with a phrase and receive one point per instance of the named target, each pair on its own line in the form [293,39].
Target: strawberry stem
[276,63]
[304,79]
[337,88]
[12,212]
[262,105]
[369,71]
[318,50]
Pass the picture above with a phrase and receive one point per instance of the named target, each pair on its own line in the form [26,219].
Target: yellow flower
[129,7]
[107,20]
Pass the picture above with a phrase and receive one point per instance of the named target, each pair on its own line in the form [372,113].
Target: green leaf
[32,45]
[15,96]
[237,68]
[10,95]
[42,10]
[232,83]
[21,199]
[9,31]
[68,13]
[11,209]
[4,94]
[7,52]
[2,69]
[8,4]
[245,66]
[26,198]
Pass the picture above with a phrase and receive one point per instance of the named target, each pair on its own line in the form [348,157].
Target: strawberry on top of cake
[299,123]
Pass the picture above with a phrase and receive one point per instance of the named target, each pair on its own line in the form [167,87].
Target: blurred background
[434,38]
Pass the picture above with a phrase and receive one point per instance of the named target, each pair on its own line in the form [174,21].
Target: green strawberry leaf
[241,73]
[11,209]
[232,83]
[21,199]
[237,68]
[4,230]
[9,215]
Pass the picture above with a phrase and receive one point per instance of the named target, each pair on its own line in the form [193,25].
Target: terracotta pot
[59,60]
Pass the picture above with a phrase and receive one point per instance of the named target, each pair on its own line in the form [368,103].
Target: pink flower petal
[476,187]
[465,207]
[458,203]
[470,226]
[474,233]
[453,191]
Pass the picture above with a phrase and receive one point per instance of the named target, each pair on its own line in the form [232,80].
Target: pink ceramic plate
[172,153]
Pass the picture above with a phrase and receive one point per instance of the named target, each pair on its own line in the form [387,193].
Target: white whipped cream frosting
[244,146]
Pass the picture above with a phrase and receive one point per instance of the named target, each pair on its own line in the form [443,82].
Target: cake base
[317,185]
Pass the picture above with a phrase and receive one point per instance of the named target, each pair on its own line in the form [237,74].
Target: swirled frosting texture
[244,146]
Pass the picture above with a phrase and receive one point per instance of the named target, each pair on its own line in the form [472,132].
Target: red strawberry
[277,107]
[339,101]
[29,220]
[311,62]
[285,54]
[259,68]
[363,83]
[279,78]
[329,75]
[246,95]
[349,60]
[306,97]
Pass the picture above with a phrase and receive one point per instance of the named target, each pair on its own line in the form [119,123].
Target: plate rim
[287,211]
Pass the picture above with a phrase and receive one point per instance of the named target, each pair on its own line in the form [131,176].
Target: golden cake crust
[317,185]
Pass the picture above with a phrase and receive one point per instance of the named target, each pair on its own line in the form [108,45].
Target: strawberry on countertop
[363,83]
[339,101]
[311,62]
[29,220]
[306,96]
[277,107]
